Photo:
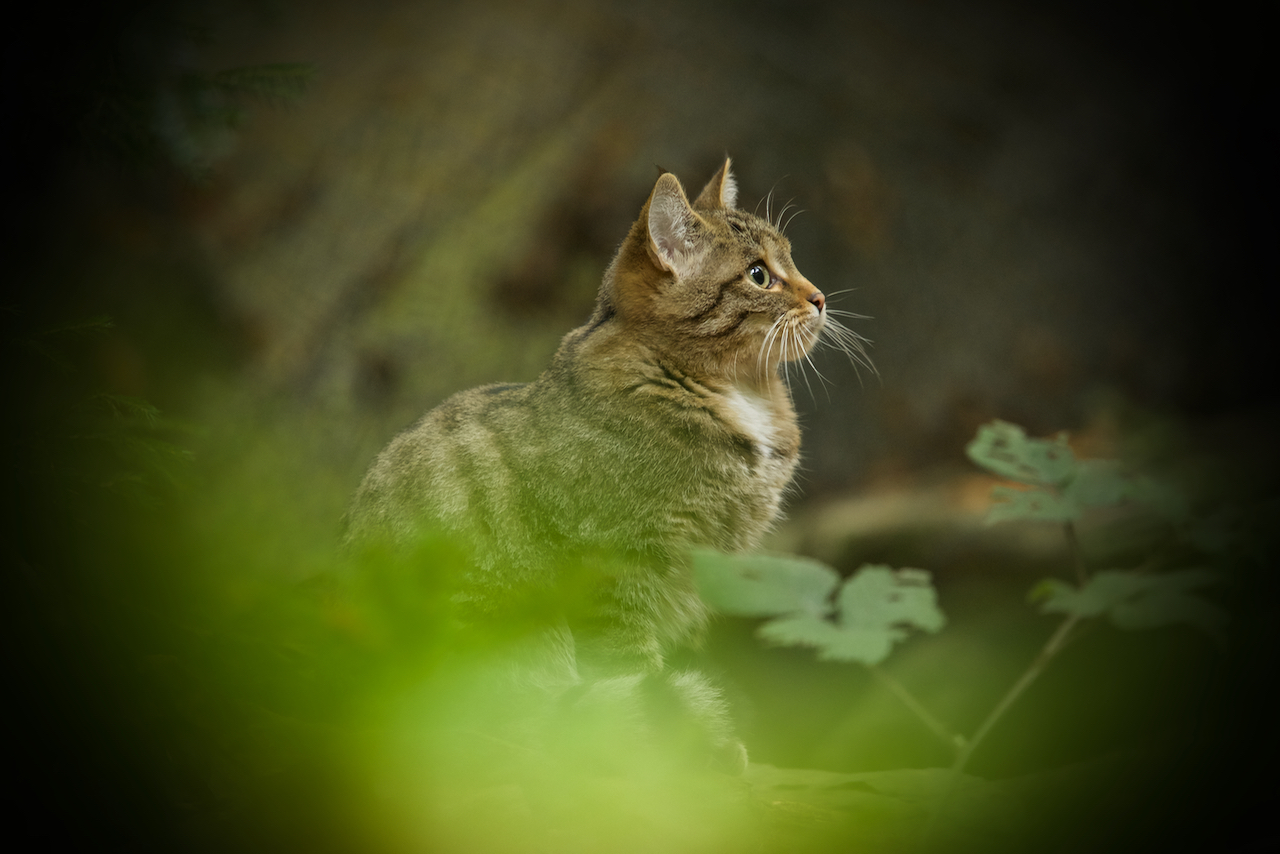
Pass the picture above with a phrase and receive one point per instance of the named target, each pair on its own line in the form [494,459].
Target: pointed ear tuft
[721,192]
[672,226]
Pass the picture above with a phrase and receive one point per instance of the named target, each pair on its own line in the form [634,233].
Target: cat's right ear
[721,192]
[672,227]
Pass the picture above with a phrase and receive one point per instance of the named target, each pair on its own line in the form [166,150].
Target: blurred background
[248,242]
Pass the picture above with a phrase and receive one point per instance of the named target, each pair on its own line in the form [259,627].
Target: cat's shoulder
[469,405]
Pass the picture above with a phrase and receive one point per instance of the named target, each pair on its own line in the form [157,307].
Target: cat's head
[711,286]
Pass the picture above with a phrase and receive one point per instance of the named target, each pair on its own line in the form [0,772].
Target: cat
[661,424]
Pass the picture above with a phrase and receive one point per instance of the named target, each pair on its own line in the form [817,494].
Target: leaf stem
[1051,648]
[953,740]
[1042,659]
[1077,556]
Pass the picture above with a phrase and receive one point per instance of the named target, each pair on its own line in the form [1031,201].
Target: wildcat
[661,424]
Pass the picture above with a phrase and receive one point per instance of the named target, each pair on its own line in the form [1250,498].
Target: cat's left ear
[721,192]
[672,227]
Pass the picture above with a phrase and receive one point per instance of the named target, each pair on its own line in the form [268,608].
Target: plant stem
[953,740]
[1077,557]
[1046,654]
[1051,648]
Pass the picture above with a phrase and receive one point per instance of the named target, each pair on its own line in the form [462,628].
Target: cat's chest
[754,417]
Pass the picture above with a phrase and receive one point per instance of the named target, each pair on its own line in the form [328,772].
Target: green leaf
[1004,448]
[1030,505]
[1133,600]
[1103,592]
[763,585]
[1166,608]
[1097,483]
[1101,483]
[834,643]
[875,607]
[879,597]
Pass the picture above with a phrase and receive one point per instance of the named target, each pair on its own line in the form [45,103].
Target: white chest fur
[753,416]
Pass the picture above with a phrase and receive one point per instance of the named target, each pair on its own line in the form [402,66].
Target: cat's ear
[672,226]
[721,191]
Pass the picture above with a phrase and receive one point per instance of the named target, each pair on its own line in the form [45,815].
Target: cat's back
[428,473]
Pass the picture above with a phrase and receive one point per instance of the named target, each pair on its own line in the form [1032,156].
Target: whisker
[826,384]
[773,337]
[838,293]
[826,387]
[786,367]
[789,341]
[781,337]
[844,313]
[762,361]
[788,335]
[853,345]
[801,358]
[782,362]
[790,345]
[781,214]
[787,225]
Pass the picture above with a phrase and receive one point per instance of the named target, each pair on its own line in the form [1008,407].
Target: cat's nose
[818,299]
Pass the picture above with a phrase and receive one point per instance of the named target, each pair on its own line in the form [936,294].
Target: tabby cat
[661,424]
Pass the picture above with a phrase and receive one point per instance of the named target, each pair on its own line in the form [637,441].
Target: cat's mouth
[791,337]
[812,324]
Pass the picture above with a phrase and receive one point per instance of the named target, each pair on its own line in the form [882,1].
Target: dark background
[1054,215]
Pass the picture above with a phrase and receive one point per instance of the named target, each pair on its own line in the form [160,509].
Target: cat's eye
[759,274]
